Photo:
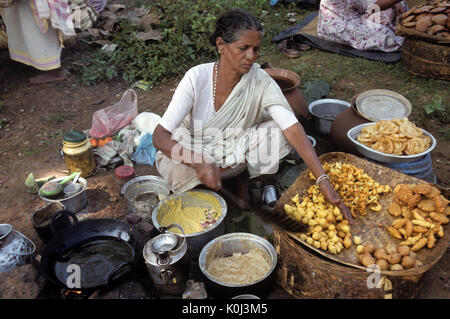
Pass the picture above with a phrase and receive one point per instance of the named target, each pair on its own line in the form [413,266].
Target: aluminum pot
[154,186]
[228,244]
[196,241]
[324,113]
[343,122]
[15,248]
[73,203]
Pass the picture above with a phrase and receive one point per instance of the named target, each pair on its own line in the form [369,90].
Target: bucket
[421,168]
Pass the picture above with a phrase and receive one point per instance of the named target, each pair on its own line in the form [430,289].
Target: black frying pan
[92,253]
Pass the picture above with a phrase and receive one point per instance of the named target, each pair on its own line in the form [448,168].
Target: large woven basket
[426,59]
[307,272]
[425,54]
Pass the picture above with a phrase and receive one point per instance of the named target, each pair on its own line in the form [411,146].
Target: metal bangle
[321,178]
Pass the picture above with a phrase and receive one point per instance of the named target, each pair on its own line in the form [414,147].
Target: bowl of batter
[201,214]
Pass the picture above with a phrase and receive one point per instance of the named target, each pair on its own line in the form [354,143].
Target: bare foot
[55,75]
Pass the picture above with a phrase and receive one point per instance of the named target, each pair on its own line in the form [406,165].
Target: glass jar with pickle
[78,153]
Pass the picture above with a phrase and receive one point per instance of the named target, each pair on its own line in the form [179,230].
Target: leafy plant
[437,110]
[185,28]
[100,67]
[445,133]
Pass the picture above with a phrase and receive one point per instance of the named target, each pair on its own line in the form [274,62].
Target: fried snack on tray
[327,228]
[357,189]
[431,18]
[396,136]
[422,210]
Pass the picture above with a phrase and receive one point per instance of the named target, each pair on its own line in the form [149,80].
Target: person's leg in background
[29,45]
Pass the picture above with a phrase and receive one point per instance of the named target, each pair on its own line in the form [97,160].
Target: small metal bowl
[228,244]
[72,189]
[353,133]
[324,113]
[163,243]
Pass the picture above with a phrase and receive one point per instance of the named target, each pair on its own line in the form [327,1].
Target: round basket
[309,272]
[304,274]
[426,59]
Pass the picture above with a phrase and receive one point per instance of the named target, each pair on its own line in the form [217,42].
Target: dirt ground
[36,116]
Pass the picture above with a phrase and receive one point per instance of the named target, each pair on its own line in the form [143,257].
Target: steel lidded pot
[167,261]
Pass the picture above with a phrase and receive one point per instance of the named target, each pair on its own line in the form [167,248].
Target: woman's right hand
[209,175]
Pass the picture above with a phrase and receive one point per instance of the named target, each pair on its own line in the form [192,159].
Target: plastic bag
[145,122]
[145,152]
[108,121]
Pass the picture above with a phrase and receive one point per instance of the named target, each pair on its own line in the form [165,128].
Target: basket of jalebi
[399,231]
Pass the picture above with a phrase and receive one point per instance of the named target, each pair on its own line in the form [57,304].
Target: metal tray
[353,133]
[376,105]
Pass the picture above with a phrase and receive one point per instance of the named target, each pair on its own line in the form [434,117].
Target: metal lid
[376,105]
[124,172]
[74,137]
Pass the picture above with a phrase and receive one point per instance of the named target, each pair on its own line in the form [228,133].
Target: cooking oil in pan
[95,263]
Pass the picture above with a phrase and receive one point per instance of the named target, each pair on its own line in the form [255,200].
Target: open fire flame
[69,293]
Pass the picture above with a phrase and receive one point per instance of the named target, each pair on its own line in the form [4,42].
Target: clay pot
[289,82]
[343,122]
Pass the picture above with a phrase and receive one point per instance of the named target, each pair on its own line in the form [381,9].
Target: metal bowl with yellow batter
[198,198]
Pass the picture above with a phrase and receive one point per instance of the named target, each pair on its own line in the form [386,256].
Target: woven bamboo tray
[367,227]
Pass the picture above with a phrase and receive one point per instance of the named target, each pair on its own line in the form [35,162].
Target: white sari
[238,133]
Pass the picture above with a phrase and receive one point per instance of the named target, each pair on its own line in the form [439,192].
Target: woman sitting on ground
[361,24]
[229,113]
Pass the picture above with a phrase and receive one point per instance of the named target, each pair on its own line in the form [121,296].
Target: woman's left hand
[330,194]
